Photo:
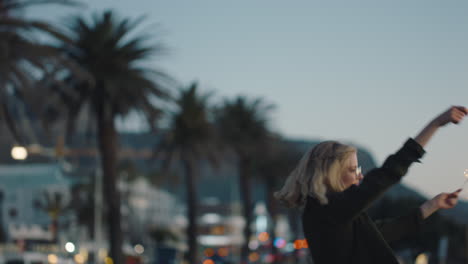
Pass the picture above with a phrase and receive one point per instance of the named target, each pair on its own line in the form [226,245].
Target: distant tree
[107,48]
[190,139]
[243,126]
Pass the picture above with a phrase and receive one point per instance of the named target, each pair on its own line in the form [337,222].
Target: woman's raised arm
[453,115]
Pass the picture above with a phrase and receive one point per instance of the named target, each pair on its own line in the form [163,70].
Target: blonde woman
[328,186]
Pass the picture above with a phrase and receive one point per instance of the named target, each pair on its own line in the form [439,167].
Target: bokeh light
[69,247]
[422,259]
[253,245]
[139,249]
[223,252]
[300,244]
[280,242]
[109,260]
[254,256]
[52,258]
[19,153]
[209,252]
[263,236]
[208,261]
[79,258]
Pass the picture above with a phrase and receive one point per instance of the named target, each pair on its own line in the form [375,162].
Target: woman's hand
[440,201]
[453,115]
[446,200]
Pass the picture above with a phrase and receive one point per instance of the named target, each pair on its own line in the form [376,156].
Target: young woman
[328,186]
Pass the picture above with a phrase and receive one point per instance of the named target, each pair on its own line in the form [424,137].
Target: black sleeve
[345,206]
[396,228]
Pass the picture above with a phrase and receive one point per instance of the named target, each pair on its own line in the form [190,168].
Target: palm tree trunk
[190,184]
[3,237]
[246,196]
[107,136]
[272,210]
[54,229]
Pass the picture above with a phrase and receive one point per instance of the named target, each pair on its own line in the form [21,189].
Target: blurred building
[24,188]
[148,209]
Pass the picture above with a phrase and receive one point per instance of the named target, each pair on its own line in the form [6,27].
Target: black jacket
[342,232]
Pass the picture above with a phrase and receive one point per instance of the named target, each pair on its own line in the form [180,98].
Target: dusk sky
[371,73]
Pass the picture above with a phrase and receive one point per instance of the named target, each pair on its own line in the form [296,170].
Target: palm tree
[23,59]
[120,84]
[190,139]
[243,126]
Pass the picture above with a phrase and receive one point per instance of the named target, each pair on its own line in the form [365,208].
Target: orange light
[208,261]
[297,244]
[300,244]
[254,256]
[263,236]
[223,252]
[209,252]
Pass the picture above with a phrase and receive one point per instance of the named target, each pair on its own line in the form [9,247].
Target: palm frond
[9,5]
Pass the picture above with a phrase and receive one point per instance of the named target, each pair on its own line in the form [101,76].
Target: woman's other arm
[440,201]
[396,228]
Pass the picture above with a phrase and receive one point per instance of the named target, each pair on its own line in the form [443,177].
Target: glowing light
[109,260]
[279,242]
[254,256]
[139,249]
[52,258]
[422,259]
[208,261]
[223,252]
[297,244]
[300,244]
[209,252]
[70,247]
[263,236]
[253,245]
[465,173]
[19,153]
[79,258]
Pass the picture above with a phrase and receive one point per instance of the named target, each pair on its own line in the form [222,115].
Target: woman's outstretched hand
[454,114]
[447,200]
[440,201]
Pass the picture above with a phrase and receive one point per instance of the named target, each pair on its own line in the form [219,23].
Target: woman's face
[351,173]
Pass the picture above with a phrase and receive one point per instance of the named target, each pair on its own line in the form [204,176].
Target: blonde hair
[318,172]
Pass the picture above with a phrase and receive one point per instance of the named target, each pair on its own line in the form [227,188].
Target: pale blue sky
[371,72]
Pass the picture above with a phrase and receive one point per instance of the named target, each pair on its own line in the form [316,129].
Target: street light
[19,153]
